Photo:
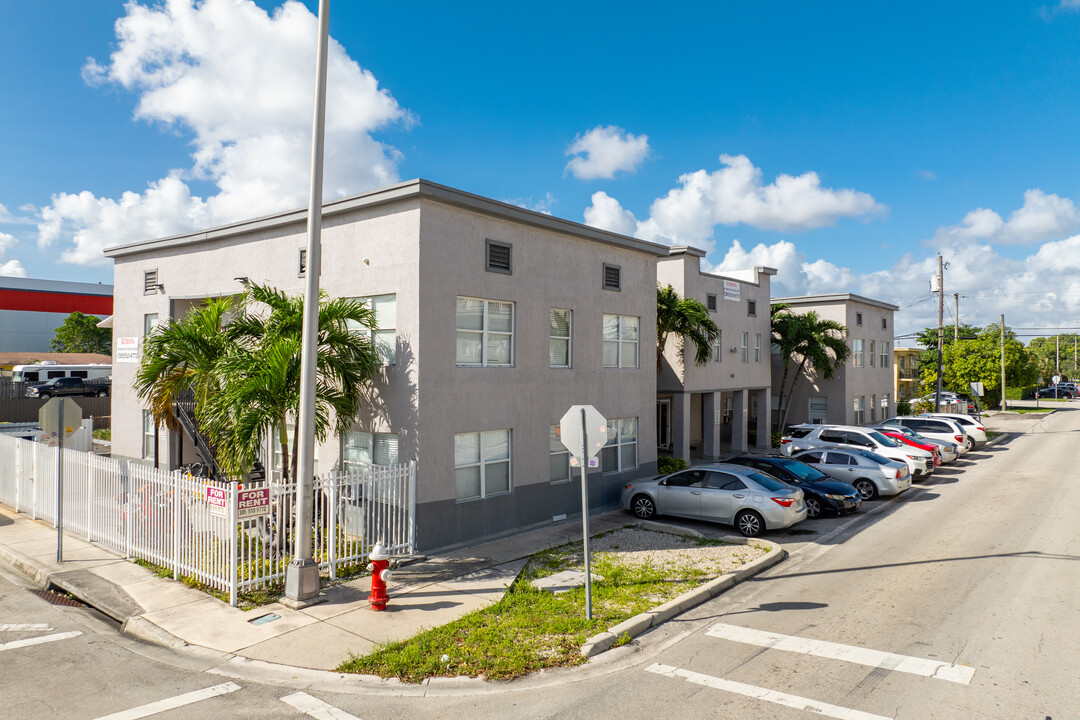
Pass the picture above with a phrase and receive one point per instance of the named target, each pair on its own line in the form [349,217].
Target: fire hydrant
[380,573]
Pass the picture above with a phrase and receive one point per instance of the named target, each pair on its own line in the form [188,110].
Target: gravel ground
[638,547]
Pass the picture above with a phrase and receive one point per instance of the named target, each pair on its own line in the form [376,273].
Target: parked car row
[822,469]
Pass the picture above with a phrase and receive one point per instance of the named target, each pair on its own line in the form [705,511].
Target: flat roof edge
[835,297]
[417,188]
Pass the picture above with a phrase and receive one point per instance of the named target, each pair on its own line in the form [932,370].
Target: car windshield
[767,481]
[879,459]
[800,470]
[885,440]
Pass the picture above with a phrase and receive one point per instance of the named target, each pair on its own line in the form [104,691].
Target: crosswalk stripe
[760,693]
[935,669]
[24,627]
[38,640]
[174,702]
[316,708]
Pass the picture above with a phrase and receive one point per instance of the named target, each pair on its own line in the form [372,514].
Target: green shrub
[903,408]
[666,464]
[777,436]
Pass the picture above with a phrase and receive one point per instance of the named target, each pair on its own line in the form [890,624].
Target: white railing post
[129,520]
[411,506]
[234,498]
[90,495]
[18,478]
[174,485]
[331,524]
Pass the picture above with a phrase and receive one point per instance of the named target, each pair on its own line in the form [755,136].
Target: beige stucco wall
[848,382]
[550,270]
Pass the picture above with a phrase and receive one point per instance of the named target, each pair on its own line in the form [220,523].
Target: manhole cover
[55,598]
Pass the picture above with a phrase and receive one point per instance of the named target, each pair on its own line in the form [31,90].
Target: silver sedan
[870,473]
[731,494]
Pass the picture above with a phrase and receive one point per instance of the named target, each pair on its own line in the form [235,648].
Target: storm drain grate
[55,598]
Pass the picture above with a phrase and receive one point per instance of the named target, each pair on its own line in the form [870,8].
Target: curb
[660,614]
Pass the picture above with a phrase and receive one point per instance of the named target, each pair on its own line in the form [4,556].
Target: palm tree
[181,356]
[245,374]
[686,317]
[263,367]
[818,345]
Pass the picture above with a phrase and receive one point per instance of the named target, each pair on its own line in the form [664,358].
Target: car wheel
[867,489]
[749,523]
[44,396]
[643,506]
[969,444]
[103,393]
[813,507]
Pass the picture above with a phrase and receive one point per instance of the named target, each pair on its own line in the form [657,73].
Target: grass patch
[530,629]
[1025,411]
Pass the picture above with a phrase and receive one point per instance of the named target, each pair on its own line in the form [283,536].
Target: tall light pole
[940,327]
[302,574]
[1003,362]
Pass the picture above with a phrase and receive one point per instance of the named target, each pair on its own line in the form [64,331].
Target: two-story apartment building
[704,410]
[907,377]
[493,321]
[860,391]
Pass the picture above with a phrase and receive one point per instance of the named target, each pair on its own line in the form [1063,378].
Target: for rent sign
[218,499]
[253,503]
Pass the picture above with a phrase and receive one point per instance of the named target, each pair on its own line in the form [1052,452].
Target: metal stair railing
[184,410]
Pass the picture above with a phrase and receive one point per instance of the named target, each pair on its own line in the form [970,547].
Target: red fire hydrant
[380,573]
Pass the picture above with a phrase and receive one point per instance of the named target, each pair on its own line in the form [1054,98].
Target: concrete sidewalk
[424,594]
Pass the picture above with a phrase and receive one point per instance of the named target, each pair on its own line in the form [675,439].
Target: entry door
[819,410]
[663,424]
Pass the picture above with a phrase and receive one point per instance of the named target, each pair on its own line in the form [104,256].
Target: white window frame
[858,357]
[275,450]
[486,333]
[873,352]
[373,439]
[718,347]
[884,353]
[873,409]
[557,452]
[378,337]
[150,321]
[757,347]
[482,464]
[617,441]
[149,432]
[859,406]
[568,338]
[746,347]
[621,341]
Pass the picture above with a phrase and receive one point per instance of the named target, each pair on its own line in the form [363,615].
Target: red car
[934,449]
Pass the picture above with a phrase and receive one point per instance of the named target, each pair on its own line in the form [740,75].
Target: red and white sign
[127,349]
[218,499]
[253,503]
[731,290]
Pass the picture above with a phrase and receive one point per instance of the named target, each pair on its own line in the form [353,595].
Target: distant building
[8,360]
[861,390]
[906,373]
[32,310]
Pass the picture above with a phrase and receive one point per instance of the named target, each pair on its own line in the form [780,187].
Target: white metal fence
[168,518]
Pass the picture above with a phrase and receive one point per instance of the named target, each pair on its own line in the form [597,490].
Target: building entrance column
[680,426]
[764,424]
[710,425]
[740,415]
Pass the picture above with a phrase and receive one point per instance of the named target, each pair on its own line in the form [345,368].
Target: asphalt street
[956,600]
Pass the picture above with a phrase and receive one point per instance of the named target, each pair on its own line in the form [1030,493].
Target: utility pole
[302,574]
[940,326]
[1057,354]
[956,320]
[1003,362]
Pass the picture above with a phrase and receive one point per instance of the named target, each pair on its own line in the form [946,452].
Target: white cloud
[240,82]
[927,175]
[543,205]
[604,151]
[732,195]
[1042,217]
[9,268]
[606,213]
[6,218]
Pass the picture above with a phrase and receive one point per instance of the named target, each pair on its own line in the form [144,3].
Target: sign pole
[60,490]
[585,514]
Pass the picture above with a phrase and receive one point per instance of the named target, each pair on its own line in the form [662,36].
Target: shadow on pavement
[781,607]
[1028,554]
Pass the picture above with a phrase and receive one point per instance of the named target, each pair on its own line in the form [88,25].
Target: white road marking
[760,693]
[850,653]
[38,640]
[23,627]
[316,708]
[174,702]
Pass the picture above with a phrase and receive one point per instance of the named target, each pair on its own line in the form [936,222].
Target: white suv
[804,437]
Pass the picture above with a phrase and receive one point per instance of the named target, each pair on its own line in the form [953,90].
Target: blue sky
[845,147]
